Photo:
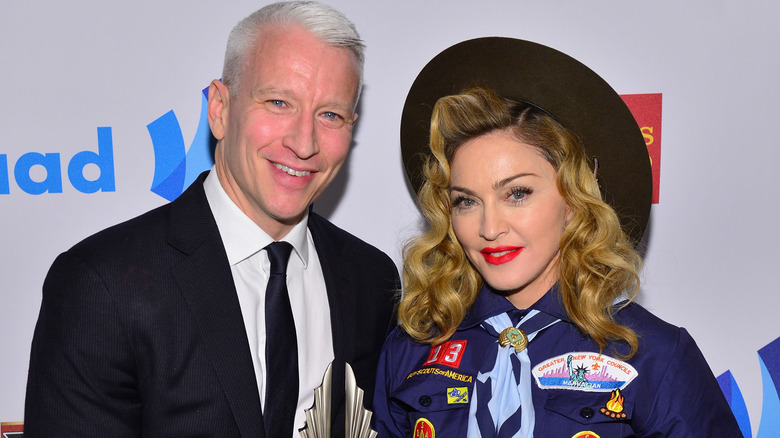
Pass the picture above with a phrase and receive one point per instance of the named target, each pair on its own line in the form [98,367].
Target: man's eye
[332,119]
[277,102]
[331,115]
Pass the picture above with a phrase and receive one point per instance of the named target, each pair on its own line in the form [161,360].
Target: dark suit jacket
[140,332]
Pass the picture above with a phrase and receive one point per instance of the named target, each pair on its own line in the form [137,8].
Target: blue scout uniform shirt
[665,390]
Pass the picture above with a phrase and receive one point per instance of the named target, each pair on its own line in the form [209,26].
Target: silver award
[358,418]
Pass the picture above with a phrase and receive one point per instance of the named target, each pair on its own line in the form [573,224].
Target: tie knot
[279,254]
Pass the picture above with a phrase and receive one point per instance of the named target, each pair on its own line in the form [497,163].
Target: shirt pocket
[568,413]
[436,401]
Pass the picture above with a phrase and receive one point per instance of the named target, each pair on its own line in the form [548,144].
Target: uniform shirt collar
[551,304]
[240,235]
[489,303]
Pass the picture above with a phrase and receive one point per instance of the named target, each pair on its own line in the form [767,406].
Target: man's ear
[219,98]
[354,119]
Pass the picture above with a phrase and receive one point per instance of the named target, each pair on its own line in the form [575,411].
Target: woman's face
[507,214]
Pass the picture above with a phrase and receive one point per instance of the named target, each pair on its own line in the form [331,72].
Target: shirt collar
[241,236]
[489,303]
[551,304]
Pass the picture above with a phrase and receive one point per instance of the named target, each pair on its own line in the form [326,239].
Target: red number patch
[448,353]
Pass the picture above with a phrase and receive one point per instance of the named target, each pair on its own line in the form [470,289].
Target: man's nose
[301,137]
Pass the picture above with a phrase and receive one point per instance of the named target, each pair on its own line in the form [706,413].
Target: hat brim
[560,85]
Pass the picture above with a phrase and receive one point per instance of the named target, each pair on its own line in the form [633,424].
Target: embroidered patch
[457,395]
[423,429]
[585,434]
[584,371]
[440,372]
[614,406]
[448,353]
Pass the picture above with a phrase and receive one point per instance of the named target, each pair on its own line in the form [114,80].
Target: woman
[513,320]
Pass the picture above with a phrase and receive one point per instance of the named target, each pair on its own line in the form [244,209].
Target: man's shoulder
[341,252]
[185,219]
[123,254]
[138,233]
[335,239]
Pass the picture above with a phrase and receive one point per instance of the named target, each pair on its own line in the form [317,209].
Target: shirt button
[425,401]
[586,412]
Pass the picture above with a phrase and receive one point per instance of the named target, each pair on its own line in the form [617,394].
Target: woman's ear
[569,214]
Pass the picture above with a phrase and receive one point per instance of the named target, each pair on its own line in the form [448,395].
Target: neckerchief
[501,405]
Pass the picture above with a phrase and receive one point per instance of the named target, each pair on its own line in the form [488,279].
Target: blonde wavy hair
[597,265]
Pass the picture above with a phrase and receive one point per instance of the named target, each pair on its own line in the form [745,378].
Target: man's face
[283,138]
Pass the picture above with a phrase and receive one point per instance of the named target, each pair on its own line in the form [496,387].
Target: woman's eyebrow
[503,182]
[462,189]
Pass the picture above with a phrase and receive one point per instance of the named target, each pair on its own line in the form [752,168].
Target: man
[158,327]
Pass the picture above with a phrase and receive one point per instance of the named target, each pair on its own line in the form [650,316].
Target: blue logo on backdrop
[769,427]
[175,169]
[52,164]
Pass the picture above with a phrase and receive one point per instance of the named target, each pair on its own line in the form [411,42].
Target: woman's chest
[576,392]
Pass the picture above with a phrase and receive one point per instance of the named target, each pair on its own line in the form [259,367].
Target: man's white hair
[325,23]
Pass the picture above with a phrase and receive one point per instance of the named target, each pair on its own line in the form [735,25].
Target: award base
[358,418]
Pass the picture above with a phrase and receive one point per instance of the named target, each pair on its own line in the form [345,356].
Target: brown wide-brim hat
[560,85]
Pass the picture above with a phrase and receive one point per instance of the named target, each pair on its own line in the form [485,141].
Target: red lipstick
[501,254]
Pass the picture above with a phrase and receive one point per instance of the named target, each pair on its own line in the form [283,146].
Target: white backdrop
[71,67]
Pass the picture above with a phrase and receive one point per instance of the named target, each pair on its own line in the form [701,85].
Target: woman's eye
[463,202]
[519,193]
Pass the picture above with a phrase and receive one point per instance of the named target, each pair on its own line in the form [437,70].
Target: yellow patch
[457,395]
[440,372]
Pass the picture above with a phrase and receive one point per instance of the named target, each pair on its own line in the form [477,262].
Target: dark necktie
[281,349]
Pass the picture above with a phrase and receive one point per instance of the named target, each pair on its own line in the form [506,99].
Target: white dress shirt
[244,242]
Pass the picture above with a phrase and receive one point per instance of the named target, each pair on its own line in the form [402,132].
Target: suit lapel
[341,297]
[342,301]
[207,284]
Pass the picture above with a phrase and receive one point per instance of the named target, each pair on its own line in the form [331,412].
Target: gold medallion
[515,337]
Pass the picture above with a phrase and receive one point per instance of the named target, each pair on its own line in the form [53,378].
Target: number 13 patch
[448,353]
